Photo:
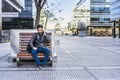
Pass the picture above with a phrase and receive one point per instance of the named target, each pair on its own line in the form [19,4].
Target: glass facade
[26,16]
[28,10]
[6,7]
[9,22]
[24,19]
[115,10]
[100,9]
[28,6]
[104,20]
[100,13]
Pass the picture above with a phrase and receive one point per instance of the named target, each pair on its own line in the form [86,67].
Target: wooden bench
[23,54]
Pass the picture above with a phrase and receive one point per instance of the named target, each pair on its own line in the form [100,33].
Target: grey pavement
[4,49]
[79,58]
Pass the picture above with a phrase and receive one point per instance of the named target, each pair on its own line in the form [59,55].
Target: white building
[96,15]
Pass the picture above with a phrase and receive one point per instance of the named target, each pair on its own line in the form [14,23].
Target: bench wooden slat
[26,34]
[31,58]
[29,54]
[24,39]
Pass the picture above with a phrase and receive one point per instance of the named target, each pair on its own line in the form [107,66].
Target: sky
[67,6]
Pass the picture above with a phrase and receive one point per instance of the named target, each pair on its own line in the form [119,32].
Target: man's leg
[35,57]
[46,52]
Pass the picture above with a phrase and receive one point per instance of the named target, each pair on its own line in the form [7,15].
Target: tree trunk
[46,22]
[37,20]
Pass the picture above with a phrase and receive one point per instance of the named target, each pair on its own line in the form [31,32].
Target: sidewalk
[4,49]
[4,56]
[79,58]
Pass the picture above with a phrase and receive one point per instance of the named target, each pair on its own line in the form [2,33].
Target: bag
[29,48]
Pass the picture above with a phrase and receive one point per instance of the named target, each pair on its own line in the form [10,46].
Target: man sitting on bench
[39,45]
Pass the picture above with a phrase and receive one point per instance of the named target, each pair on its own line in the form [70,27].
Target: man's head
[40,28]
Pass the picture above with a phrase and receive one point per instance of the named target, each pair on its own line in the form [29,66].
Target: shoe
[43,66]
[40,67]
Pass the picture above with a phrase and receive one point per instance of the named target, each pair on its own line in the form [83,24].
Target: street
[78,58]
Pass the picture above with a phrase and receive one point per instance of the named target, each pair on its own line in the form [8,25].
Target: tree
[39,5]
[50,10]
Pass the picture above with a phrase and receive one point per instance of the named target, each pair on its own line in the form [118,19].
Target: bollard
[55,58]
[57,41]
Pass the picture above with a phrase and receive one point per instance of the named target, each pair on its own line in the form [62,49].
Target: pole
[113,30]
[90,30]
[119,29]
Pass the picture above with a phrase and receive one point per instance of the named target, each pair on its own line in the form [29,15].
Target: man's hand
[35,48]
[45,34]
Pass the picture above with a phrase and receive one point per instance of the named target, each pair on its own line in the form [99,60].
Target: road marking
[105,68]
[68,52]
[4,56]
[92,74]
[44,69]
[60,68]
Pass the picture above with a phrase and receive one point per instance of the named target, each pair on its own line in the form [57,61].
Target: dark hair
[39,26]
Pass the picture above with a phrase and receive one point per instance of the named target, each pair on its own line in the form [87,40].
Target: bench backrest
[24,39]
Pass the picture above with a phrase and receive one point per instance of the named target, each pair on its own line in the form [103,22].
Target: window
[94,19]
[106,19]
[107,9]
[92,9]
[28,3]
[7,19]
[28,6]
[101,19]
[101,9]
[96,9]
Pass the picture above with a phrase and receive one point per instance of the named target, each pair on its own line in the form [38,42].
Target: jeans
[46,52]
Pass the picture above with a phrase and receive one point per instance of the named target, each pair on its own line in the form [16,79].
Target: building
[26,17]
[115,16]
[81,14]
[100,17]
[96,15]
[0,21]
[10,13]
[17,14]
